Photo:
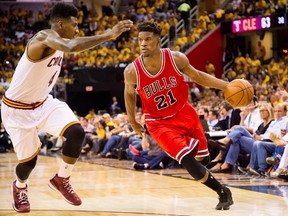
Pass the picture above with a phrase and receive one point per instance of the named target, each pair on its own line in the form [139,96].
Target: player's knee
[75,133]
[195,169]
[23,170]
[74,137]
[204,161]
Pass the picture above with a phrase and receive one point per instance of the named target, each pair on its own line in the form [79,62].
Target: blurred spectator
[195,93]
[265,146]
[151,156]
[91,114]
[184,9]
[115,107]
[229,117]
[241,138]
[88,128]
[209,68]
[212,119]
[260,52]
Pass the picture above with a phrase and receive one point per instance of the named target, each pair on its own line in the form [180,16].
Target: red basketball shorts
[181,134]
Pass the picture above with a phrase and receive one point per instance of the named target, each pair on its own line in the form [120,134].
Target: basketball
[239,92]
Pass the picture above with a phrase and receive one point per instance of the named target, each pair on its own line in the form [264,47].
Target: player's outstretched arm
[51,38]
[197,76]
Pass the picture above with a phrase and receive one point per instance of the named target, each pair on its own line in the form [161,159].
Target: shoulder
[130,74]
[178,55]
[129,70]
[39,40]
[180,59]
[43,34]
[38,46]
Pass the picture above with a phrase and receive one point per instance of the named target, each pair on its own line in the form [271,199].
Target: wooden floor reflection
[107,190]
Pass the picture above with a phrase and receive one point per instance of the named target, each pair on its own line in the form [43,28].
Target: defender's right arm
[131,98]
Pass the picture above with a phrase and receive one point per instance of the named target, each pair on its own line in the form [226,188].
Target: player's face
[148,42]
[70,28]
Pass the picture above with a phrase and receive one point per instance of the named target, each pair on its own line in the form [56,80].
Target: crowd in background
[248,129]
[18,26]
[109,134]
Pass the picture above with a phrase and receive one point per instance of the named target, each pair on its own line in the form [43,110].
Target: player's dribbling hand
[122,26]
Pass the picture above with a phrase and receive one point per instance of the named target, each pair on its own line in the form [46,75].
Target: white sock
[20,184]
[65,169]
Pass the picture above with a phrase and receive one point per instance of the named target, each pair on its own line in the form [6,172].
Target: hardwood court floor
[110,187]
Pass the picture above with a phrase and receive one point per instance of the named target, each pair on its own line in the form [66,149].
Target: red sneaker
[63,186]
[20,198]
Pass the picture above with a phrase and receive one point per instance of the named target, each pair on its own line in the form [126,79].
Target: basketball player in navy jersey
[28,107]
[157,76]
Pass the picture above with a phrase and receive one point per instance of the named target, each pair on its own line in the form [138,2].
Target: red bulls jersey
[163,94]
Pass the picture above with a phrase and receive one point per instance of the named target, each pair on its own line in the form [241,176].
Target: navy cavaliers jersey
[163,94]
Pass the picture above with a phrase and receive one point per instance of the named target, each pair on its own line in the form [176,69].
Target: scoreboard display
[258,23]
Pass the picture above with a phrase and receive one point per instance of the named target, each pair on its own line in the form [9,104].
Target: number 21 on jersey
[163,101]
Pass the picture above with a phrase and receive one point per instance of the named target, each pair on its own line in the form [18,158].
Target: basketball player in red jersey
[27,106]
[170,119]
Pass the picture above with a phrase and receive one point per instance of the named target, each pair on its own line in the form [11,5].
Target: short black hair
[102,122]
[63,11]
[226,106]
[214,112]
[150,27]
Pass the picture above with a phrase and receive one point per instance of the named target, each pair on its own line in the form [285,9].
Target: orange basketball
[239,92]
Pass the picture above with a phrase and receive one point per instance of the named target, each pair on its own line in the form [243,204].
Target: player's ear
[159,40]
[59,24]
